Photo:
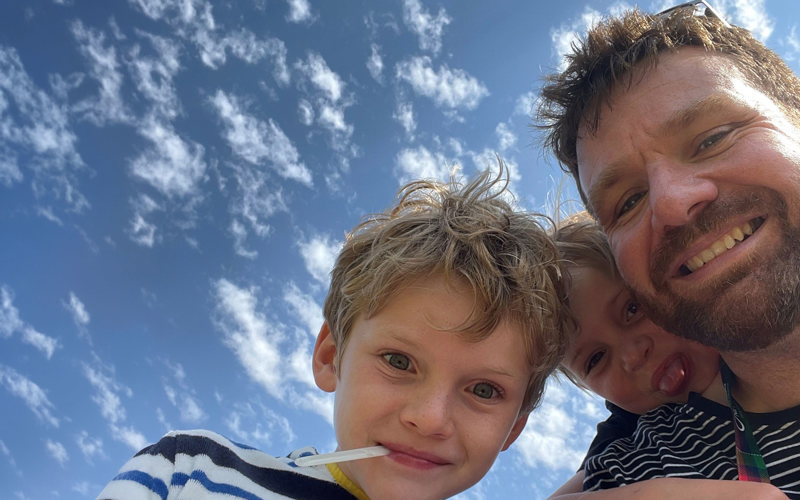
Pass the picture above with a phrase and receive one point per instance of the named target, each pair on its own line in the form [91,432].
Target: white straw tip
[342,456]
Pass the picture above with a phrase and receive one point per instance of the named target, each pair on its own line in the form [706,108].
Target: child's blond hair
[467,233]
[582,243]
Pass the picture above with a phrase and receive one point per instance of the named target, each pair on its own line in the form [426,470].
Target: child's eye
[593,360]
[632,311]
[399,361]
[485,390]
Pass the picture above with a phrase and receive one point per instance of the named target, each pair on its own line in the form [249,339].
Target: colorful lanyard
[748,456]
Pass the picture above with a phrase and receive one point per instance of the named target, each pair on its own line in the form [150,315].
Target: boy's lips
[414,458]
[672,375]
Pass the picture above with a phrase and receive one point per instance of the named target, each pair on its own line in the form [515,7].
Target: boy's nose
[429,413]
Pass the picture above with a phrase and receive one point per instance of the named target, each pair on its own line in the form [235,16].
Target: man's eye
[629,203]
[485,390]
[593,360]
[712,140]
[399,361]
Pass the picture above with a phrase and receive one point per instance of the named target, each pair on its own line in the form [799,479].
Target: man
[681,132]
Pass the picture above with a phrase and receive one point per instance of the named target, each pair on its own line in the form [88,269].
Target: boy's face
[445,406]
[621,355]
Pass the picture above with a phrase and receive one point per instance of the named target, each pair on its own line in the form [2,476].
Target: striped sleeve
[203,464]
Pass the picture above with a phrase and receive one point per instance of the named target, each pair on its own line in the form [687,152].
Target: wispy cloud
[421,163]
[404,114]
[80,316]
[184,399]
[108,105]
[31,394]
[427,27]
[34,124]
[106,395]
[319,255]
[299,11]
[375,63]
[259,142]
[307,311]
[174,166]
[752,15]
[253,339]
[448,88]
[254,422]
[91,447]
[57,451]
[10,322]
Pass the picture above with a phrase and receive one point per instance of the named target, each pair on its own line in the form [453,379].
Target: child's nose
[635,352]
[429,413]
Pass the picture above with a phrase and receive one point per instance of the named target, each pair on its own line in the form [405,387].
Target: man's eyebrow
[684,117]
[678,121]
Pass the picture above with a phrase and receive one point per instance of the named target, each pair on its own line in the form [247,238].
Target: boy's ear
[323,360]
[519,425]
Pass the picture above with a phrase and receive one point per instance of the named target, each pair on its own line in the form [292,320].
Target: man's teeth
[720,246]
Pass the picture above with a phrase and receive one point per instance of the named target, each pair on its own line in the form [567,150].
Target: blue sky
[176,177]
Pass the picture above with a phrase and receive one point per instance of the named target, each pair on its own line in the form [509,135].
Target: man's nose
[677,194]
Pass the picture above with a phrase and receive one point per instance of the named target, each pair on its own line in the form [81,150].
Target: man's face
[695,176]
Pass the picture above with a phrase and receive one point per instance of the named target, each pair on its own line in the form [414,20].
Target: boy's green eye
[484,390]
[398,361]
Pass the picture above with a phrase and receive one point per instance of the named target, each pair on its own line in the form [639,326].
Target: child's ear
[519,425]
[324,360]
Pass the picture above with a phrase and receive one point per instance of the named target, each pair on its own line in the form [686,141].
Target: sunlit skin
[445,406]
[683,157]
[621,355]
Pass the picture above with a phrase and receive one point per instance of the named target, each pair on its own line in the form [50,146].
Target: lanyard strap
[748,456]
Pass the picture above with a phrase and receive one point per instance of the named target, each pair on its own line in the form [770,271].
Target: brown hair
[606,57]
[468,233]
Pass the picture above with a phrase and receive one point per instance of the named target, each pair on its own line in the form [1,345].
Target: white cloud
[554,438]
[375,63]
[171,165]
[448,88]
[258,425]
[564,36]
[247,333]
[57,451]
[154,77]
[239,233]
[129,436]
[106,394]
[505,137]
[257,199]
[39,130]
[140,230]
[305,112]
[257,142]
[299,11]
[324,79]
[108,105]
[80,316]
[752,15]
[404,114]
[34,397]
[420,163]
[306,310]
[183,398]
[319,255]
[427,27]
[91,447]
[11,322]
[525,104]
[792,41]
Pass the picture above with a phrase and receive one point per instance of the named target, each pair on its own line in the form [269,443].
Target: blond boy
[442,323]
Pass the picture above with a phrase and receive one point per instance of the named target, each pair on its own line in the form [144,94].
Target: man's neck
[767,380]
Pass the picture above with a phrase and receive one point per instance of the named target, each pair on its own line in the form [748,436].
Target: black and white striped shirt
[696,440]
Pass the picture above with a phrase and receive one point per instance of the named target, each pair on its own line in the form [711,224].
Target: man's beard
[763,309]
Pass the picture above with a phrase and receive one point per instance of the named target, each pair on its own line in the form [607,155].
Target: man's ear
[324,360]
[519,425]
